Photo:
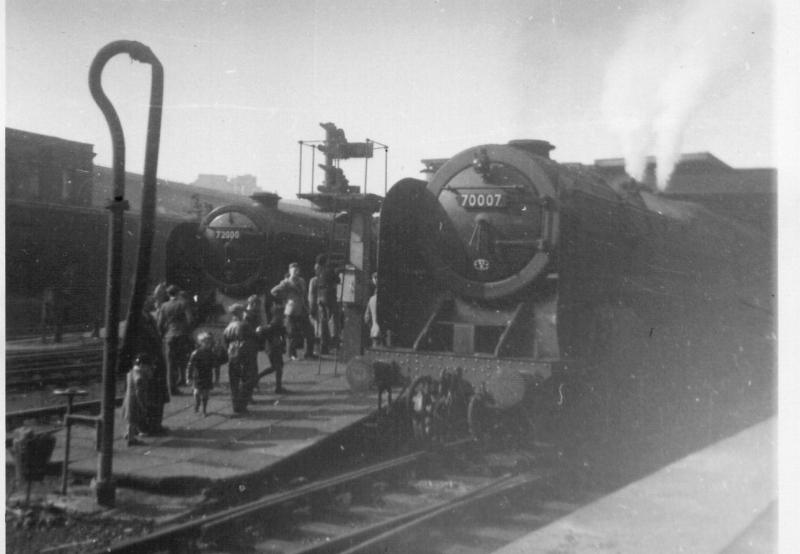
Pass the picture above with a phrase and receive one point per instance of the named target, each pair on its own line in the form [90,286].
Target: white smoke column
[630,89]
[659,76]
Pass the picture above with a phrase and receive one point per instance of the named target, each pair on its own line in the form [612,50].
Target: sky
[245,80]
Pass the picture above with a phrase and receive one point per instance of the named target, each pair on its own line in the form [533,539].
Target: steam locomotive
[523,283]
[243,249]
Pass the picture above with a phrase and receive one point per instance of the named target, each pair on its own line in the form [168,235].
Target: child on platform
[135,404]
[200,370]
[274,333]
[222,358]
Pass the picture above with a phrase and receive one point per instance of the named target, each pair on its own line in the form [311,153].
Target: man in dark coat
[174,320]
[242,343]
[292,291]
[160,383]
[148,342]
[274,332]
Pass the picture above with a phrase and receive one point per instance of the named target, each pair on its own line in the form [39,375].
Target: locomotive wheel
[440,423]
[450,415]
[477,418]
[413,389]
[420,404]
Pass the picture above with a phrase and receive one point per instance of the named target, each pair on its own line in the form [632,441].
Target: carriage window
[66,185]
[27,183]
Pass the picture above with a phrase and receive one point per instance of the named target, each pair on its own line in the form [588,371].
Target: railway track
[82,363]
[366,509]
[53,414]
[460,497]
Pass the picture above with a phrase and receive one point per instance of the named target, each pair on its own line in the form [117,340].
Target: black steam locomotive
[526,283]
[243,249]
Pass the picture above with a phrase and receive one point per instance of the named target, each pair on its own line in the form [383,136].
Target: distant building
[42,168]
[748,194]
[209,181]
[688,174]
[174,198]
[242,184]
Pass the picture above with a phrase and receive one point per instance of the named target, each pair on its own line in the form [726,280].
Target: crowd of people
[171,353]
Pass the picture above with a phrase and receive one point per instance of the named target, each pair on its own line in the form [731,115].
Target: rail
[171,538]
[190,530]
[20,417]
[373,539]
[60,366]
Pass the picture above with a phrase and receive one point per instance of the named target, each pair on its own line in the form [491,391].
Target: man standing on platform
[292,292]
[323,304]
[371,315]
[242,343]
[175,325]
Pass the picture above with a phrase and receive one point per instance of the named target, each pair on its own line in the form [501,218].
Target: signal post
[352,235]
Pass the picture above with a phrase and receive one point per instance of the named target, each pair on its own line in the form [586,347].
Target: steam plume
[663,70]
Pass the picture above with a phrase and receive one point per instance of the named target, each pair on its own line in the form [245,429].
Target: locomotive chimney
[266,199]
[533,146]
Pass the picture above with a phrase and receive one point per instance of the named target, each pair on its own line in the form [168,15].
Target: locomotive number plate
[227,234]
[482,200]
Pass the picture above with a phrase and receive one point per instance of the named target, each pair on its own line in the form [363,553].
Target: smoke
[663,72]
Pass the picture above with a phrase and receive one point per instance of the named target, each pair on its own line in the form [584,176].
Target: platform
[199,452]
[721,499]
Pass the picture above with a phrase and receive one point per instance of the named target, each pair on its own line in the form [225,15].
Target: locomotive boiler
[535,283]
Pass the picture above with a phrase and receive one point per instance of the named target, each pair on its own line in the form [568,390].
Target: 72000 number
[228,234]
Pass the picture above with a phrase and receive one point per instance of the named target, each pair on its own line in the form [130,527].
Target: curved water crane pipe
[105,490]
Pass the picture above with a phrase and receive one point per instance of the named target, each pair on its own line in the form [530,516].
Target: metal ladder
[338,255]
[339,241]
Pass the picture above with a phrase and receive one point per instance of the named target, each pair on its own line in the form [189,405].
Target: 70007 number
[483,200]
[227,234]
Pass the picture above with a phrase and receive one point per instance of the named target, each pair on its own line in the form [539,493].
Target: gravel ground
[42,525]
[45,528]
[50,522]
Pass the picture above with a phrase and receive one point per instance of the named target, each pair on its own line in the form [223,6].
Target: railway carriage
[64,247]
